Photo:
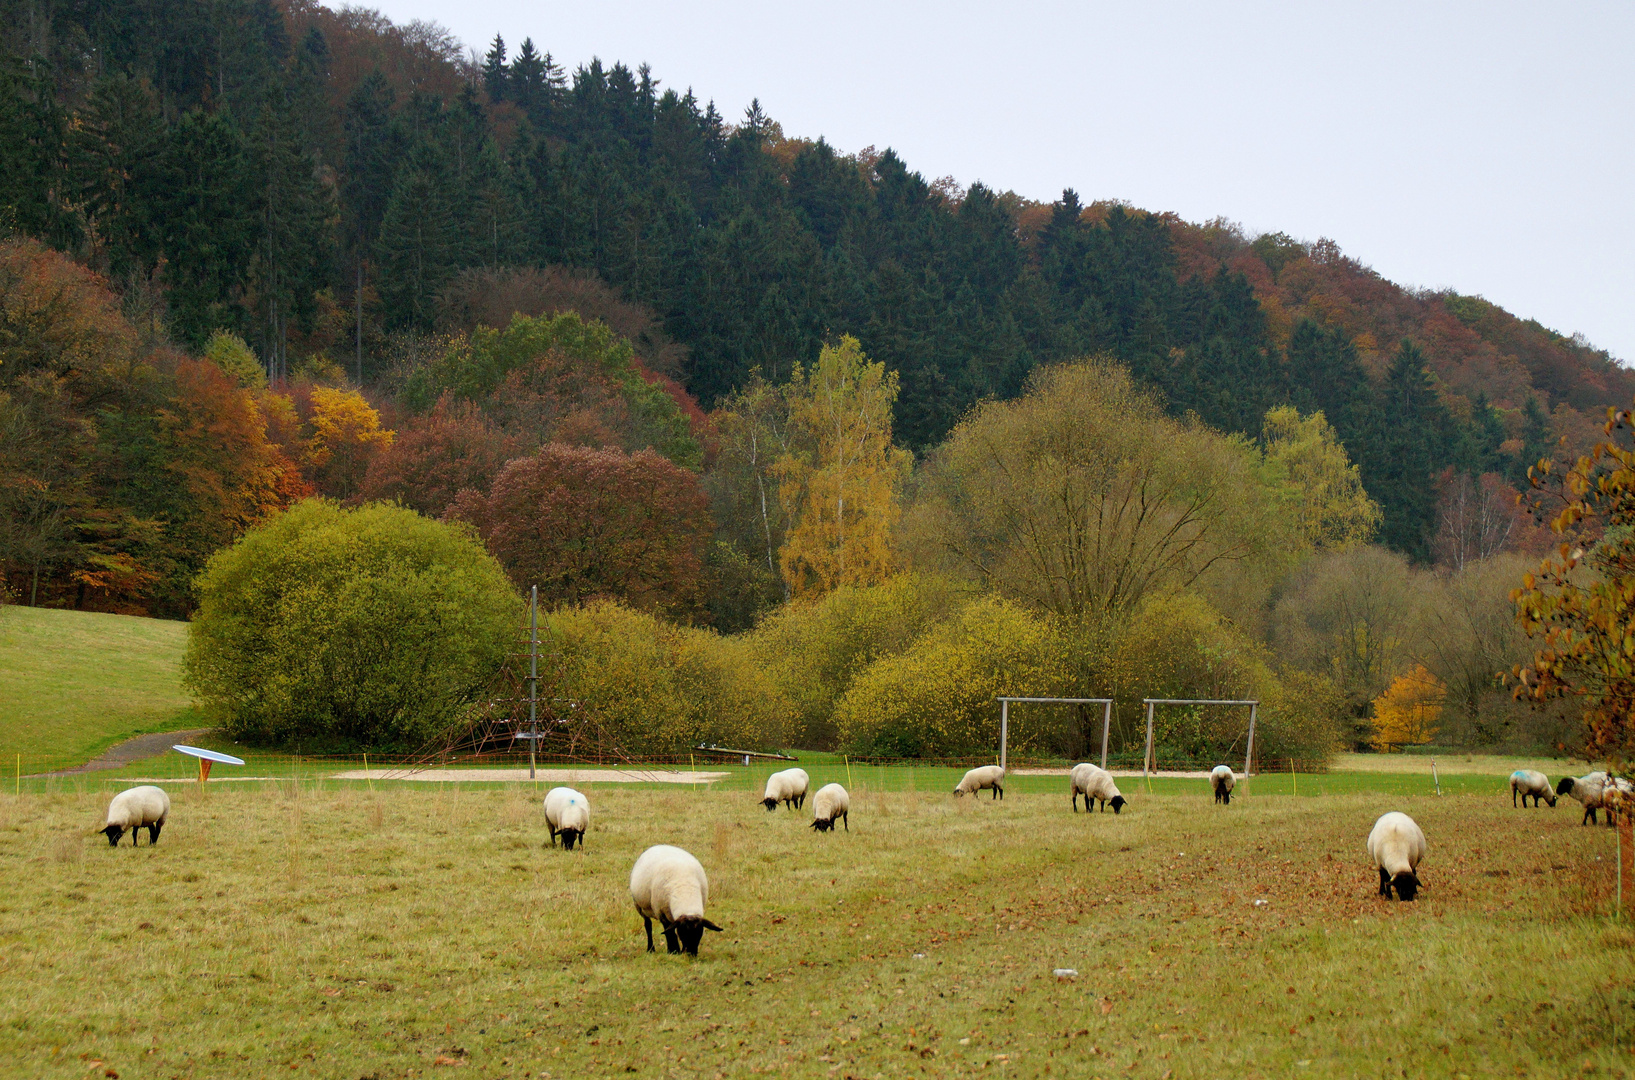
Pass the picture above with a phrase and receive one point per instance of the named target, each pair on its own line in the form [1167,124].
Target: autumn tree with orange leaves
[1580,602]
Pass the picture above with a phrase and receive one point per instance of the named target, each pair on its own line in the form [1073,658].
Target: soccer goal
[1106,704]
[1149,760]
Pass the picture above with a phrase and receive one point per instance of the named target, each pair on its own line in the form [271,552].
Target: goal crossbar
[1106,704]
[1147,758]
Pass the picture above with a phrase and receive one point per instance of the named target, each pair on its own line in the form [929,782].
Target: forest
[773,426]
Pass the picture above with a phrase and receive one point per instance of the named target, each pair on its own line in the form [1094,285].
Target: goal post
[1005,718]
[1148,761]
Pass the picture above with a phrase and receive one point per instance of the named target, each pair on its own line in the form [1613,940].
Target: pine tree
[494,71]
[526,82]
[422,241]
[372,149]
[208,238]
[1536,443]
[1411,436]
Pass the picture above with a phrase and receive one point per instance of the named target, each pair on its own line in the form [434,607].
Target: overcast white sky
[1487,147]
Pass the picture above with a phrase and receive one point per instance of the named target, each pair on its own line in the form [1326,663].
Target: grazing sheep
[1591,790]
[987,776]
[1223,780]
[1525,782]
[1094,782]
[669,885]
[134,809]
[830,802]
[1396,845]
[788,787]
[567,814]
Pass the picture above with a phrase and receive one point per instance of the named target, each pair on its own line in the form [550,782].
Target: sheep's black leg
[153,833]
[1385,883]
[672,944]
[845,819]
[1513,799]
[649,924]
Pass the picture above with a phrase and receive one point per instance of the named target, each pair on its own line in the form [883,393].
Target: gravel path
[143,746]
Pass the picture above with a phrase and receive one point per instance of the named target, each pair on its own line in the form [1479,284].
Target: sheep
[1397,845]
[987,776]
[669,885]
[830,802]
[1223,780]
[788,787]
[567,814]
[1527,782]
[133,809]
[1591,790]
[1094,782]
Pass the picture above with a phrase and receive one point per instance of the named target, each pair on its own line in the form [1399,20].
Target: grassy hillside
[74,682]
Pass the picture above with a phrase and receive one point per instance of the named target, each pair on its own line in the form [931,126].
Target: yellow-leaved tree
[839,480]
[346,431]
[1408,711]
[1334,511]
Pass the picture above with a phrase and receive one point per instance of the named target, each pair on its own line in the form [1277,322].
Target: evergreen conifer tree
[495,73]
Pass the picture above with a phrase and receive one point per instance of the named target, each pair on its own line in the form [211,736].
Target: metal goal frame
[1005,718]
[1147,759]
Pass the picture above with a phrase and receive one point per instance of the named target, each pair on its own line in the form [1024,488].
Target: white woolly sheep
[669,885]
[830,802]
[1222,779]
[1590,790]
[1525,782]
[1396,845]
[136,808]
[788,787]
[986,776]
[567,814]
[1094,782]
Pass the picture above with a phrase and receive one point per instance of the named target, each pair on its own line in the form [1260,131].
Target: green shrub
[936,698]
[337,628]
[813,650]
[660,689]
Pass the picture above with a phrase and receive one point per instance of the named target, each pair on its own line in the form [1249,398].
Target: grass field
[73,683]
[323,929]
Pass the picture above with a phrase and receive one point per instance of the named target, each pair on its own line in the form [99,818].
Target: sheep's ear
[706,924]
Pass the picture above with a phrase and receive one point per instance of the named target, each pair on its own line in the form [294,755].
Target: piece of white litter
[1260,903]
[919,956]
[1066,973]
[965,1042]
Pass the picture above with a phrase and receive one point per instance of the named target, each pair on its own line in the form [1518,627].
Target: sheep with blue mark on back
[137,808]
[1525,782]
[567,814]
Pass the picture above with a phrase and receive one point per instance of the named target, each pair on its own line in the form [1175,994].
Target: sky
[1483,147]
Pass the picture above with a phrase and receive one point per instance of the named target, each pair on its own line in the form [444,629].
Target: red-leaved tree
[585,524]
[437,456]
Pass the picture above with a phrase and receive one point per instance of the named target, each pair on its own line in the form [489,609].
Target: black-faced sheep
[1590,790]
[830,802]
[1094,782]
[1525,782]
[978,779]
[1396,845]
[669,885]
[1222,780]
[567,814]
[788,787]
[136,808]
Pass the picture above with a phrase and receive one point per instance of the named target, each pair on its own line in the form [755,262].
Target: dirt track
[143,746]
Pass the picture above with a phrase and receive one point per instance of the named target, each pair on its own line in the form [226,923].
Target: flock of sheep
[669,884]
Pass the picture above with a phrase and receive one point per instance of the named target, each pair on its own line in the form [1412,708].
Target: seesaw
[207,758]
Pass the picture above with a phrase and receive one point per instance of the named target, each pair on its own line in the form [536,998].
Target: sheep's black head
[1118,803]
[1406,885]
[1565,787]
[823,826]
[1552,800]
[570,837]
[113,833]
[690,929]
[770,803]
